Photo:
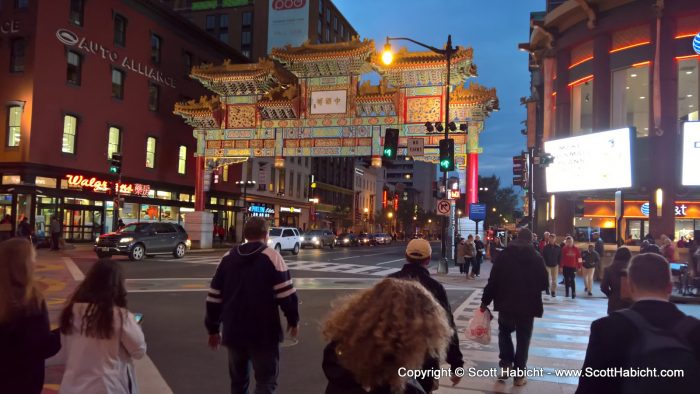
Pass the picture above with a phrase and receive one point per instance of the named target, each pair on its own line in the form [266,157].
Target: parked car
[348,239]
[365,239]
[382,239]
[318,239]
[284,238]
[138,240]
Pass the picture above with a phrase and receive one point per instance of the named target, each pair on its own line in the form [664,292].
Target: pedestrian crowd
[402,323]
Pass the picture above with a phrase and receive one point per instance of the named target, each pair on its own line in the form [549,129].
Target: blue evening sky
[493,28]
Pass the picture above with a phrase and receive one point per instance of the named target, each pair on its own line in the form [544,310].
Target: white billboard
[288,23]
[329,102]
[590,162]
[691,154]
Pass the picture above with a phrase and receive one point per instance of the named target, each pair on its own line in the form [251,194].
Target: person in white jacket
[100,337]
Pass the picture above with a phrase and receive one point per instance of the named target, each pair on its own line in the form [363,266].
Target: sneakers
[554,294]
[590,294]
[520,381]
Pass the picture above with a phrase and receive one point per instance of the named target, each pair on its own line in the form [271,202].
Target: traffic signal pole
[442,267]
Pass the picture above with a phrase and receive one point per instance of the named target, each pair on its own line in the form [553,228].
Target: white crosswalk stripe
[318,266]
[559,341]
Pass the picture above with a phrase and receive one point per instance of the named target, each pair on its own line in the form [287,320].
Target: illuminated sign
[9,27]
[638,209]
[290,209]
[261,210]
[696,44]
[454,194]
[71,39]
[691,154]
[102,186]
[680,210]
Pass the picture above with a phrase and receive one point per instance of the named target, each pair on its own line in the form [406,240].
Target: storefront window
[170,214]
[212,201]
[5,205]
[688,90]
[184,197]
[582,108]
[149,213]
[630,99]
[11,179]
[76,201]
[45,182]
[685,228]
[164,195]
[130,212]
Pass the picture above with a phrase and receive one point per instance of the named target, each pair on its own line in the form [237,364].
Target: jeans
[523,333]
[55,237]
[588,277]
[469,262]
[476,264]
[265,361]
[570,279]
[553,275]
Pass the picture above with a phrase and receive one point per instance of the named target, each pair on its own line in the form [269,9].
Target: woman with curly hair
[378,331]
[25,336]
[100,336]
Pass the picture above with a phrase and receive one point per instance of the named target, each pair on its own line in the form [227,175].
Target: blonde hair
[18,291]
[396,323]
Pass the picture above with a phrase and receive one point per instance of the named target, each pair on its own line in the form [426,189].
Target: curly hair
[396,323]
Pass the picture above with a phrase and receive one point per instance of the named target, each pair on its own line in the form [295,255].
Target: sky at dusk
[493,28]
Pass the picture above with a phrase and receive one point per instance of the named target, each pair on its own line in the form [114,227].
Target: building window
[688,90]
[150,152]
[17,52]
[246,53]
[119,30]
[320,7]
[117,83]
[182,160]
[246,38]
[281,181]
[211,23]
[153,96]
[74,68]
[299,185]
[291,183]
[70,126]
[319,28]
[14,125]
[114,141]
[335,23]
[21,3]
[342,31]
[328,35]
[223,37]
[247,19]
[582,108]
[155,48]
[630,99]
[225,174]
[77,8]
[328,16]
[187,60]
[223,22]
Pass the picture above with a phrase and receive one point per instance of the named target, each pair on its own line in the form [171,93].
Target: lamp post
[387,58]
[244,185]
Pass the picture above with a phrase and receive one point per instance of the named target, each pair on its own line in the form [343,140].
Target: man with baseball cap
[418,253]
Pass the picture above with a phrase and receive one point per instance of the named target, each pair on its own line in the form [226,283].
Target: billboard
[590,162]
[288,23]
[691,154]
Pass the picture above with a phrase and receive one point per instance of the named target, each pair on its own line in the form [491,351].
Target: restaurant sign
[102,186]
[290,209]
[9,27]
[261,210]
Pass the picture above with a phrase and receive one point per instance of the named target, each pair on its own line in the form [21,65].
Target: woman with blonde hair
[25,335]
[379,332]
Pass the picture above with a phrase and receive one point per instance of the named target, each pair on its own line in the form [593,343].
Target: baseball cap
[419,249]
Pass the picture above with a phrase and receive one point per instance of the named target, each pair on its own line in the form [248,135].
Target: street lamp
[245,185]
[387,58]
[493,209]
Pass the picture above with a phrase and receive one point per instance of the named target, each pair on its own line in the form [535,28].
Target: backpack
[660,349]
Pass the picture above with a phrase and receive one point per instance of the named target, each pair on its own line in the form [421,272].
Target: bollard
[442,266]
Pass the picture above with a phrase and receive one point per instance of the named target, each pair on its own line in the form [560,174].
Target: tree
[504,199]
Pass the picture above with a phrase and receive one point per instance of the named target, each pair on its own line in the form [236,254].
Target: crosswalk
[559,341]
[301,265]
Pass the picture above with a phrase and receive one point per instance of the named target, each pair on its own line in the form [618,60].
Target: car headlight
[126,240]
[346,240]
[269,241]
[97,239]
[301,238]
[188,243]
[314,239]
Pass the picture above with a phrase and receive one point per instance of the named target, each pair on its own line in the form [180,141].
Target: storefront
[599,215]
[290,217]
[85,203]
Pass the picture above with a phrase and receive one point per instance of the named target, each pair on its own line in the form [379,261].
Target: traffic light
[520,170]
[115,164]
[391,143]
[215,173]
[447,155]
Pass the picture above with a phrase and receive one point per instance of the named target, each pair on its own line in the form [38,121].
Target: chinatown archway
[307,101]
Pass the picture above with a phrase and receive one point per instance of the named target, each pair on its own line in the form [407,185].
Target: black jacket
[610,286]
[250,283]
[341,381]
[24,344]
[480,248]
[516,283]
[421,274]
[551,254]
[613,336]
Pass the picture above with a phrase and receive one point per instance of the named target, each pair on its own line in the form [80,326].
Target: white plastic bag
[479,328]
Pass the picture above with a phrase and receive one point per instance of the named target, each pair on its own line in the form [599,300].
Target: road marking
[360,255]
[149,378]
[75,272]
[391,261]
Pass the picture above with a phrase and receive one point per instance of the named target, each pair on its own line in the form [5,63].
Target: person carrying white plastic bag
[479,328]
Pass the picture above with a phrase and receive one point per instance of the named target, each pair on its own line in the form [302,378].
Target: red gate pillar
[472,190]
[199,195]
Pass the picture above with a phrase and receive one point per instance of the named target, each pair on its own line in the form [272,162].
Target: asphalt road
[170,293]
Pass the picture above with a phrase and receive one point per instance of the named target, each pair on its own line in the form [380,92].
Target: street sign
[454,194]
[477,212]
[443,207]
[415,146]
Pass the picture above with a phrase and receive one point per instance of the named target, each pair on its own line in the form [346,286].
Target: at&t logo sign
[696,44]
[281,5]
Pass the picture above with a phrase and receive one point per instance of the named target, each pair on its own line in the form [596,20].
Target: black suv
[138,240]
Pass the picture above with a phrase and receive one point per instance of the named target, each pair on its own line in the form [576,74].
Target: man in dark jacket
[249,285]
[613,338]
[515,286]
[552,254]
[418,254]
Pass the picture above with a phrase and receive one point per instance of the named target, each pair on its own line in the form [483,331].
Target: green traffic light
[445,163]
[112,169]
[388,152]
